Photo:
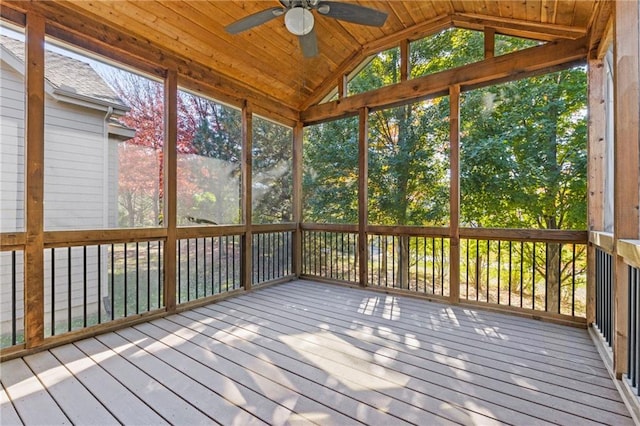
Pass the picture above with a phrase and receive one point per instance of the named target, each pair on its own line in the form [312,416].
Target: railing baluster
[510,268]
[14,286]
[197,269]
[69,288]
[533,278]
[179,271]
[53,292]
[126,292]
[522,273]
[84,286]
[137,278]
[112,284]
[148,275]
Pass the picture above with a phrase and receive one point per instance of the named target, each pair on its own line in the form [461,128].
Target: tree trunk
[403,262]
[553,277]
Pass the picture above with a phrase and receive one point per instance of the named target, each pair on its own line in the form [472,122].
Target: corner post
[595,172]
[626,160]
[170,187]
[363,195]
[454,194]
[34,181]
[298,135]
[247,213]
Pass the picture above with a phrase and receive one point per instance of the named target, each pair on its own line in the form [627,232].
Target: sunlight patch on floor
[354,368]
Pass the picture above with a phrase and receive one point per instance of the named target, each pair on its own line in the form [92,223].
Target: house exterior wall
[76,195]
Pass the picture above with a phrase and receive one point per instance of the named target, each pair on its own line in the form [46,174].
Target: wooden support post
[342,87]
[405,66]
[595,172]
[454,194]
[489,43]
[626,158]
[170,187]
[34,182]
[247,165]
[298,135]
[363,195]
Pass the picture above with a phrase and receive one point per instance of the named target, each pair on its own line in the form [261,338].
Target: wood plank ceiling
[267,59]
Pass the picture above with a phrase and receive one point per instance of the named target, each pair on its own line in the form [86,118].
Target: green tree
[524,159]
[272,178]
[330,180]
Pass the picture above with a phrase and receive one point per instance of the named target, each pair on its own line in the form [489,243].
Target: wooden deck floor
[304,352]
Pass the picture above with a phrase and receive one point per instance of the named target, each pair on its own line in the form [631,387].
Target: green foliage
[330,179]
[383,69]
[448,49]
[524,153]
[523,150]
[272,172]
[408,164]
[507,44]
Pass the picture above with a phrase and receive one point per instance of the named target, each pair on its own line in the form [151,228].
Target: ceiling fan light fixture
[299,21]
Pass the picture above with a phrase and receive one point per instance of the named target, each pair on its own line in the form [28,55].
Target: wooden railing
[272,253]
[207,266]
[99,280]
[12,285]
[629,250]
[603,246]
[414,259]
[537,272]
[330,252]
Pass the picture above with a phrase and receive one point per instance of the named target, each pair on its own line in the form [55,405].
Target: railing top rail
[12,241]
[426,231]
[273,227]
[630,251]
[329,227]
[209,231]
[533,235]
[54,239]
[602,240]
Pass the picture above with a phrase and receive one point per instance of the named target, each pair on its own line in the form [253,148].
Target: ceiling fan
[299,20]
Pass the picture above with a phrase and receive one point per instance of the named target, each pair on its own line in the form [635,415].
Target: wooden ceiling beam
[517,27]
[75,28]
[514,65]
[412,33]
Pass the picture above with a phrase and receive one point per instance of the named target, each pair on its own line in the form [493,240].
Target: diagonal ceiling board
[287,78]
[583,13]
[401,14]
[215,16]
[179,42]
[506,10]
[565,12]
[492,8]
[185,38]
[534,11]
[519,28]
[411,33]
[119,45]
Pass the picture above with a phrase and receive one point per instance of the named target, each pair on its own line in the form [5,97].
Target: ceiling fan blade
[254,20]
[309,44]
[352,13]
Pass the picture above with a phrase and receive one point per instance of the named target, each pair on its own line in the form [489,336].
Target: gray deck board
[311,353]
[416,360]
